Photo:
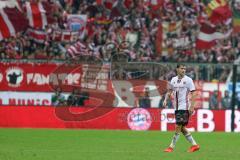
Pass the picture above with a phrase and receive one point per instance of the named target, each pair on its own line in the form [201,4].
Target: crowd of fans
[132,30]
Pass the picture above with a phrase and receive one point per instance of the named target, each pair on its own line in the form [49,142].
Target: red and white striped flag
[65,36]
[11,22]
[57,35]
[39,36]
[68,36]
[208,35]
[77,49]
[37,14]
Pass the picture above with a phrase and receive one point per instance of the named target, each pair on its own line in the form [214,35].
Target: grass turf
[45,144]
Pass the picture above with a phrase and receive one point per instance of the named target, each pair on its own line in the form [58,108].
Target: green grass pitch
[46,144]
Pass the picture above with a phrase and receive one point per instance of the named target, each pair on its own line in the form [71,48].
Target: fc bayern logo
[139,119]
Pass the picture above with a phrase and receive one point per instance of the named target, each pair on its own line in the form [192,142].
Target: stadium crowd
[131,29]
[136,29]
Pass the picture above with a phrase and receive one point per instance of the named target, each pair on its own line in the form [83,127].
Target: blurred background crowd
[205,33]
[140,30]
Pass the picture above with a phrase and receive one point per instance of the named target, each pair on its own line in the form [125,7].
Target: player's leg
[176,136]
[188,136]
[174,139]
[178,129]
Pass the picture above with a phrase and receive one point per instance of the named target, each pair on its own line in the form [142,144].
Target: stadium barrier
[118,118]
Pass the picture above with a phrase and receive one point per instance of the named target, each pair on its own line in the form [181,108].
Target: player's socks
[190,139]
[174,140]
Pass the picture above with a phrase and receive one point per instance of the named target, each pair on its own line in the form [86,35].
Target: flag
[65,36]
[208,35]
[77,22]
[39,14]
[57,35]
[103,21]
[68,36]
[12,21]
[39,36]
[77,49]
[169,29]
[218,11]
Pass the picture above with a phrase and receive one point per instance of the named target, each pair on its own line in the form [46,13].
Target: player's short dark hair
[180,64]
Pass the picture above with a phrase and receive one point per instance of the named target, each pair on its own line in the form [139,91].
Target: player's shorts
[182,117]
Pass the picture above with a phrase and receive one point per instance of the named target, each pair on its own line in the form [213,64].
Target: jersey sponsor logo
[139,119]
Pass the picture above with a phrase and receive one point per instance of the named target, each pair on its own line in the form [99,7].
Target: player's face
[181,71]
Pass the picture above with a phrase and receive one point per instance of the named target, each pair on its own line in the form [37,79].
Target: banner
[119,118]
[25,76]
[25,98]
[38,99]
[45,77]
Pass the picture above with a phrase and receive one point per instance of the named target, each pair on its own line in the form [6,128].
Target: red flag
[208,35]
[65,36]
[57,36]
[218,11]
[39,36]
[77,49]
[11,22]
[205,39]
[38,14]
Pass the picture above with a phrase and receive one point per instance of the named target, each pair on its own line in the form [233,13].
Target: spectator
[226,101]
[83,96]
[58,98]
[72,98]
[138,24]
[77,98]
[144,101]
[213,100]
[169,102]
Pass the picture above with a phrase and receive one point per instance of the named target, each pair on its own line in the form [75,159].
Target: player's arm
[192,104]
[191,96]
[168,95]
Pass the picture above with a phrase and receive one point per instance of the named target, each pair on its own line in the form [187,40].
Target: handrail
[131,62]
